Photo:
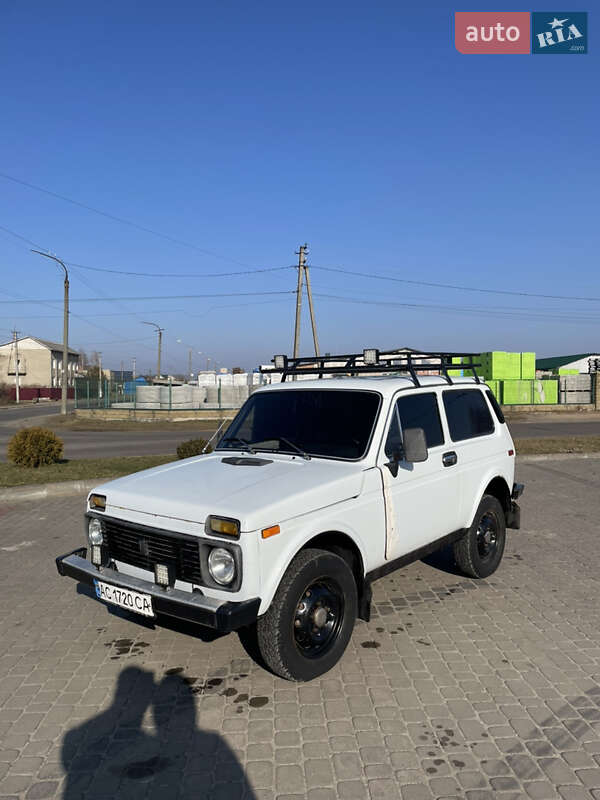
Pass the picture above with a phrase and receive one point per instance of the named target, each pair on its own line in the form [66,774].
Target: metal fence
[169,397]
[102,394]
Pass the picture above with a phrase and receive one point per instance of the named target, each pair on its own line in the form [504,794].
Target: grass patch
[78,469]
[558,444]
[73,423]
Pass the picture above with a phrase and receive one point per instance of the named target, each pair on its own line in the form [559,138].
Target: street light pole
[190,356]
[65,361]
[160,333]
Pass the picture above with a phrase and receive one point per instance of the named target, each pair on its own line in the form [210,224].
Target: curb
[557,456]
[71,488]
[44,490]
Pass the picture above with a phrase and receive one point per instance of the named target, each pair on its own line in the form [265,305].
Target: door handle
[449,459]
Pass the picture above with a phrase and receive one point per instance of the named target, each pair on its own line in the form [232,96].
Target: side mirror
[415,445]
[396,458]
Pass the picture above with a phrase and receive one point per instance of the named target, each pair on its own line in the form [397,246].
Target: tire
[479,552]
[311,617]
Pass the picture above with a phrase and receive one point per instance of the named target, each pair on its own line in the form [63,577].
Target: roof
[387,385]
[54,345]
[559,361]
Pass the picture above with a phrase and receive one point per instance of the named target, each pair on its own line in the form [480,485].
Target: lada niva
[317,488]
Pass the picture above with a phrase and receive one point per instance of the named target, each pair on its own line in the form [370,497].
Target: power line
[115,271]
[22,238]
[164,297]
[115,218]
[506,314]
[119,313]
[179,274]
[454,286]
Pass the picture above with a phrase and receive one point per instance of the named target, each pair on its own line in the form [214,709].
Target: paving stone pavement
[455,689]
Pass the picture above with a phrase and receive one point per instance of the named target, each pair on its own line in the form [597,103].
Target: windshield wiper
[245,444]
[295,447]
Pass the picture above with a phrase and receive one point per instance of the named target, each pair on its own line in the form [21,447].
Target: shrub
[32,447]
[193,447]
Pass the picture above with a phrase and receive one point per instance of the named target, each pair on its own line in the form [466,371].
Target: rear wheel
[479,552]
[311,618]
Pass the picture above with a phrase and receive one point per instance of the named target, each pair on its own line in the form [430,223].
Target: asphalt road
[108,444]
[544,429]
[146,441]
[9,415]
[478,690]
[98,444]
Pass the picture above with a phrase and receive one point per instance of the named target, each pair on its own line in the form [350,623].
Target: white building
[40,363]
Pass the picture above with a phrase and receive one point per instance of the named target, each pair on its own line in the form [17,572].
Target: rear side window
[495,406]
[467,413]
[415,411]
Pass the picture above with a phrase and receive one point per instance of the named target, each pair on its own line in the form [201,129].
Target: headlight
[95,532]
[221,565]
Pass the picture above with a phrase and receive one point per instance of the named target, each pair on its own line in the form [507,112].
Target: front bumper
[190,606]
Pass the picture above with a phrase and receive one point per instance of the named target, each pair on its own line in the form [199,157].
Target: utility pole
[303,274]
[99,378]
[121,370]
[133,373]
[16,341]
[301,263]
[312,311]
[65,360]
[190,363]
[160,333]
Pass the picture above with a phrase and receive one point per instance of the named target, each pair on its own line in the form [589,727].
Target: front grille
[144,547]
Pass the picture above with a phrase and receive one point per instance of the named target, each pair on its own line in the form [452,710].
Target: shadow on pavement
[111,755]
[443,560]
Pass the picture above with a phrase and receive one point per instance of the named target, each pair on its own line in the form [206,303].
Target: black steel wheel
[311,618]
[318,617]
[487,536]
[479,552]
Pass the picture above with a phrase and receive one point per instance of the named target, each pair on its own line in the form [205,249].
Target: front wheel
[479,552]
[311,618]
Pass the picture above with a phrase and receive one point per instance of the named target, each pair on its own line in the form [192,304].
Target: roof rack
[376,362]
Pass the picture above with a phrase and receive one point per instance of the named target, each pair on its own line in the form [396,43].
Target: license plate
[132,601]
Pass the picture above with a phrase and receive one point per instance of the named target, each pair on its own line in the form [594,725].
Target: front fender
[277,552]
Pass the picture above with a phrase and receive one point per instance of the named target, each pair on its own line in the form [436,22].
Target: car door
[422,499]
[475,441]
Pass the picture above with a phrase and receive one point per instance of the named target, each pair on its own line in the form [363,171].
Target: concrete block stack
[511,376]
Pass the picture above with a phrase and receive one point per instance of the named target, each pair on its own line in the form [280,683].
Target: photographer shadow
[113,755]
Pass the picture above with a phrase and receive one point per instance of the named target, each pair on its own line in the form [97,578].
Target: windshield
[332,423]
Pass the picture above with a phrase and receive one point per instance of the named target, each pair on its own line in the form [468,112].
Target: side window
[415,411]
[394,437]
[468,414]
[495,406]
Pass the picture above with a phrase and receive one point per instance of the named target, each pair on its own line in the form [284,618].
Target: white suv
[317,488]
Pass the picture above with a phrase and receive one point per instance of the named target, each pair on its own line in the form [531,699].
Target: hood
[280,488]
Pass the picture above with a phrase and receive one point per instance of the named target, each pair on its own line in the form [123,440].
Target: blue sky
[245,130]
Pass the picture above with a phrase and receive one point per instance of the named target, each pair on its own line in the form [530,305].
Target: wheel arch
[344,546]
[498,488]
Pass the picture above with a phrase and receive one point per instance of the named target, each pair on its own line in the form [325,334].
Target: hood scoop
[245,461]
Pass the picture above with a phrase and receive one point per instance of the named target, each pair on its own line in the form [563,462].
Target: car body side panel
[361,518]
